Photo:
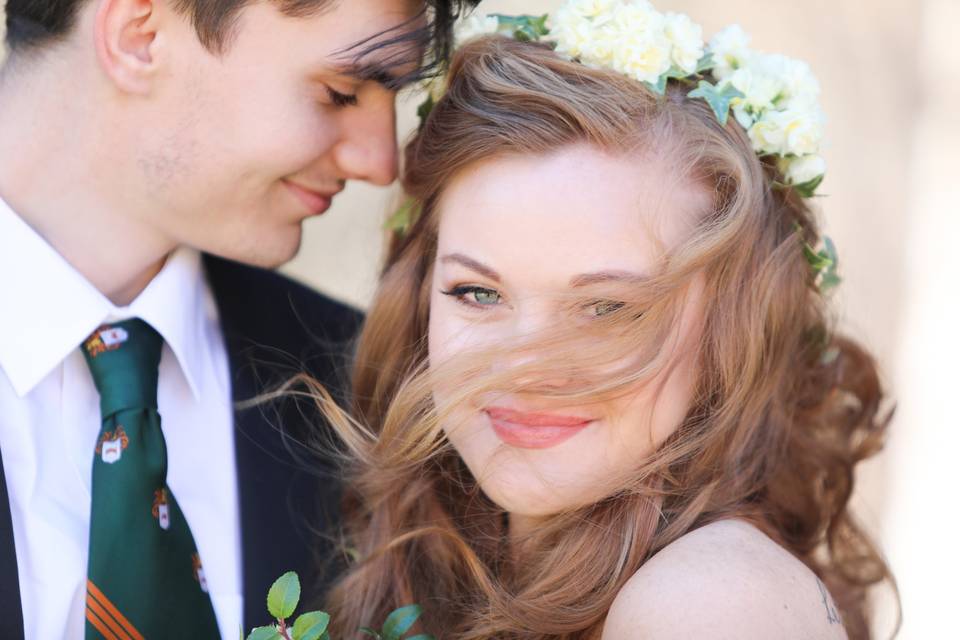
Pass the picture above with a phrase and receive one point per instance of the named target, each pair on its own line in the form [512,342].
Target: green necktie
[144,578]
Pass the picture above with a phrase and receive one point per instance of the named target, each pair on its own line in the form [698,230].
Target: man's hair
[35,24]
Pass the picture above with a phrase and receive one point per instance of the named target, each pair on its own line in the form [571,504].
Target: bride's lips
[315,201]
[534,430]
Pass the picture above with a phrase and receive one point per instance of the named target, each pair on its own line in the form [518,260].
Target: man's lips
[534,430]
[316,202]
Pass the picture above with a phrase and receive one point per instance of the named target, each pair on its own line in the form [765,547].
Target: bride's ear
[126,39]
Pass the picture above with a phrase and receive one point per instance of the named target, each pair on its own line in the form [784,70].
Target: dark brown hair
[784,409]
[34,24]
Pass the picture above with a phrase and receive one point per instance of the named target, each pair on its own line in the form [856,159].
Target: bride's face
[516,234]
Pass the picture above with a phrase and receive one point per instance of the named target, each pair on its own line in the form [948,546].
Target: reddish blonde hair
[784,410]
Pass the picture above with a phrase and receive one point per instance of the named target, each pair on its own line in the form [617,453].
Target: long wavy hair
[783,410]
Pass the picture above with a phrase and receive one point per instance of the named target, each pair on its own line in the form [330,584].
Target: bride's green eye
[475,296]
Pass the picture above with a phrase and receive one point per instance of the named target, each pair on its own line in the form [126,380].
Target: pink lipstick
[534,430]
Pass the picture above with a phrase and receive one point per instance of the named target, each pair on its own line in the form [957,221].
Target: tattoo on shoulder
[832,616]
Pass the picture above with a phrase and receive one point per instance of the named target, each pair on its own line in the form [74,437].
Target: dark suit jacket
[289,489]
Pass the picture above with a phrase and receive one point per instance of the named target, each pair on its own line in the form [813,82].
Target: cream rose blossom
[686,38]
[804,169]
[775,98]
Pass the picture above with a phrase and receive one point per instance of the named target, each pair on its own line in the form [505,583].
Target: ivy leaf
[819,260]
[425,108]
[265,633]
[706,63]
[526,28]
[284,596]
[404,217]
[400,621]
[311,626]
[807,189]
[660,86]
[370,632]
[718,99]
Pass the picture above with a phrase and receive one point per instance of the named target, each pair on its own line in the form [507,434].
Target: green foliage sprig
[282,601]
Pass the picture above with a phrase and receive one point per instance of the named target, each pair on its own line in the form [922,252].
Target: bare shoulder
[724,580]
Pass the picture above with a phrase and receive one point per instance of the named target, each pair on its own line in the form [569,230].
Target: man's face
[246,145]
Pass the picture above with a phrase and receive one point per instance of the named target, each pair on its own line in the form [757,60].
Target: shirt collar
[49,308]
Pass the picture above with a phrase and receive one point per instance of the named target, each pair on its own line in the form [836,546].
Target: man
[148,148]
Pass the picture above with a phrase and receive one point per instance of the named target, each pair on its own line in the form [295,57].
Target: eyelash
[341,99]
[462,291]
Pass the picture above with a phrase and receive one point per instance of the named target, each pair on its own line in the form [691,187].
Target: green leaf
[370,632]
[718,99]
[265,633]
[706,63]
[310,626]
[525,27]
[807,189]
[818,260]
[400,621]
[425,108]
[421,636]
[829,282]
[404,217]
[660,86]
[284,596]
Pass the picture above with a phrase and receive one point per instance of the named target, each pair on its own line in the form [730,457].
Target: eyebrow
[472,264]
[413,44]
[374,70]
[581,280]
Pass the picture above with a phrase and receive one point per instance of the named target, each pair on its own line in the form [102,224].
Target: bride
[598,393]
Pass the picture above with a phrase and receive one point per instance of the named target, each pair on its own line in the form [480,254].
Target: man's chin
[273,252]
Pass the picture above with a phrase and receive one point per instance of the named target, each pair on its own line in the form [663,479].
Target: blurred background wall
[890,71]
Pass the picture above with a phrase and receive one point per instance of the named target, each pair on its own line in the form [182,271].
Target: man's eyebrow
[471,264]
[371,71]
[403,46]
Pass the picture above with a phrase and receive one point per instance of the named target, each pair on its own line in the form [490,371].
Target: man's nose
[368,146]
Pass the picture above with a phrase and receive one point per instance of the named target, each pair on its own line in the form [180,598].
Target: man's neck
[59,174]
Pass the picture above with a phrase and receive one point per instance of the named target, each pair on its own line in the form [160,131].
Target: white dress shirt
[50,420]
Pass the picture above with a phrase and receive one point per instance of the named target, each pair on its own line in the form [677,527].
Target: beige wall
[890,71]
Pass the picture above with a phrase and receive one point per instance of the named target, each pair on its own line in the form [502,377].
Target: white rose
[686,38]
[801,88]
[731,49]
[768,136]
[640,48]
[572,33]
[598,50]
[644,57]
[803,169]
[474,26]
[760,89]
[637,17]
[588,8]
[791,132]
[802,130]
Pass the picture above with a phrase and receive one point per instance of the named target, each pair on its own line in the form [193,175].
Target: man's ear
[125,38]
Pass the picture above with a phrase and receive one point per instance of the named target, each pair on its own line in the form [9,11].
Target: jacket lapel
[11,610]
[289,489]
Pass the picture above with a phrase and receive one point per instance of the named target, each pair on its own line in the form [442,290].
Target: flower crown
[773,97]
